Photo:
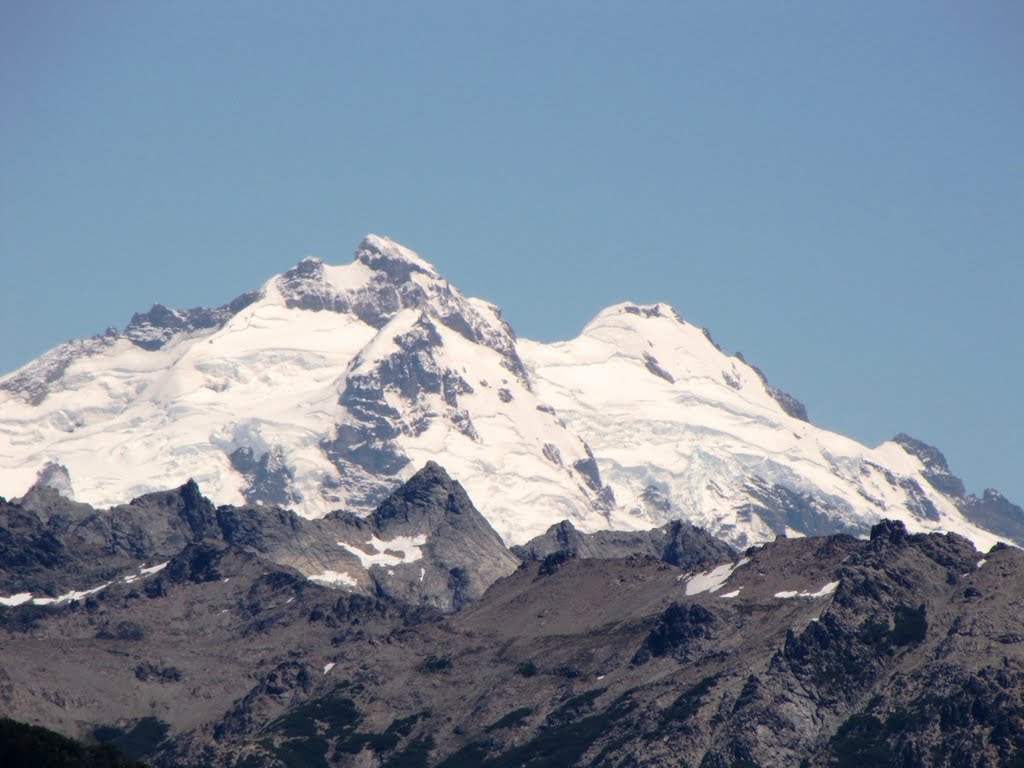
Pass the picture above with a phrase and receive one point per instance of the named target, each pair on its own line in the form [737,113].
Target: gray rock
[992,511]
[917,652]
[677,543]
[152,330]
[787,402]
[461,554]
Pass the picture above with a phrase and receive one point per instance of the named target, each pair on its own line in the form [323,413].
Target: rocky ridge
[426,544]
[662,647]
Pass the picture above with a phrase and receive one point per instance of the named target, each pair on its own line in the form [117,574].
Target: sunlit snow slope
[682,430]
[330,385]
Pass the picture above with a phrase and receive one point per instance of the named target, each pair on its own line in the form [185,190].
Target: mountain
[644,648]
[327,387]
[676,543]
[426,544]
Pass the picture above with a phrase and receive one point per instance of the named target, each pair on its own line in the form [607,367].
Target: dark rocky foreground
[662,648]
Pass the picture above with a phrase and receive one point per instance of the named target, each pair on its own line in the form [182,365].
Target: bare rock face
[677,543]
[153,329]
[56,477]
[426,544]
[991,510]
[449,553]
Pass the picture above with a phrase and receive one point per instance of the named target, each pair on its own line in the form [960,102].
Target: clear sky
[834,189]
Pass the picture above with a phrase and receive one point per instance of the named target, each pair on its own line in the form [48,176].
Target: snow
[333,577]
[75,594]
[349,277]
[24,597]
[713,580]
[18,599]
[328,667]
[407,546]
[981,562]
[828,589]
[734,593]
[699,439]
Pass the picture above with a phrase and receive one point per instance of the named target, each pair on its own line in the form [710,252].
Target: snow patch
[328,667]
[333,577]
[713,580]
[408,547]
[18,599]
[76,594]
[828,589]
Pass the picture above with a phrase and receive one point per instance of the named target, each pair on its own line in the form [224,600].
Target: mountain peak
[309,265]
[430,492]
[651,310]
[645,311]
[398,262]
[929,455]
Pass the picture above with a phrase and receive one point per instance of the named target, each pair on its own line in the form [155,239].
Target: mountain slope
[901,650]
[322,392]
[328,386]
[683,430]
[426,544]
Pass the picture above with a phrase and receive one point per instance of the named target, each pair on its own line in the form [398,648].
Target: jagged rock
[676,628]
[996,513]
[936,469]
[152,330]
[810,652]
[55,476]
[992,511]
[677,543]
[451,554]
[787,402]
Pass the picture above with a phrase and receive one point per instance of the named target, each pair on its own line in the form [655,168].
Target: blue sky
[834,189]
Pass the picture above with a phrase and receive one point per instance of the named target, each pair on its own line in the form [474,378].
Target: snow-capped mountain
[682,430]
[330,385]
